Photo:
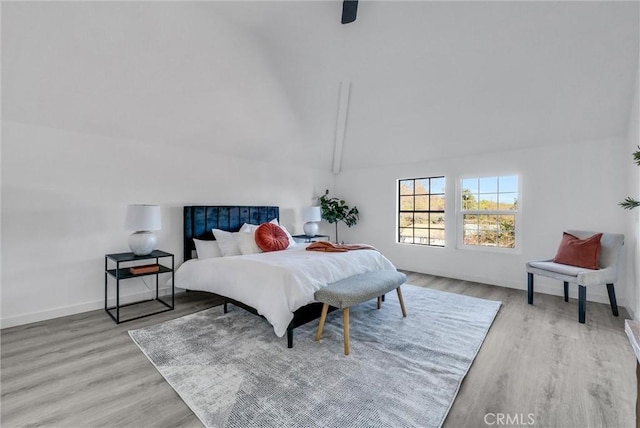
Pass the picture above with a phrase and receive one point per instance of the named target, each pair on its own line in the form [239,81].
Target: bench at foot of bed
[355,290]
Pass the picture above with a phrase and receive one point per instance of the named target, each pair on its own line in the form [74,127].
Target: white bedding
[276,283]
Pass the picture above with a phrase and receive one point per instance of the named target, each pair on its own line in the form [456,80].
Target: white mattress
[276,283]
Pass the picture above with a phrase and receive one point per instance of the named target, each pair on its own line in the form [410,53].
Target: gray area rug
[232,371]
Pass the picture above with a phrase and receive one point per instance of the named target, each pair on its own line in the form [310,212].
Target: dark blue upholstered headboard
[199,220]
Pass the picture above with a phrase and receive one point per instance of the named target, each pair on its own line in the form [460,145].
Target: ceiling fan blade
[349,10]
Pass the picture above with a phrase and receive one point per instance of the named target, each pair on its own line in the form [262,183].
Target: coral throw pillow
[579,252]
[271,237]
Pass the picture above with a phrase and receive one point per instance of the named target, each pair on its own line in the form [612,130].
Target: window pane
[406,219]
[470,184]
[436,220]
[422,203]
[470,222]
[469,200]
[406,236]
[506,223]
[488,185]
[422,186]
[406,203]
[507,201]
[437,202]
[470,237]
[488,238]
[488,201]
[488,222]
[437,185]
[436,237]
[406,187]
[506,231]
[421,236]
[422,220]
[508,183]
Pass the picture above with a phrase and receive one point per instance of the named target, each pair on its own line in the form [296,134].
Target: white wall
[573,186]
[632,241]
[64,197]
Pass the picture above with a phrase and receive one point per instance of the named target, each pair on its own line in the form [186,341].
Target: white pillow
[292,243]
[247,243]
[207,249]
[248,227]
[227,242]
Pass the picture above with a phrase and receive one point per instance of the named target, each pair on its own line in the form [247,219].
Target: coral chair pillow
[271,237]
[579,252]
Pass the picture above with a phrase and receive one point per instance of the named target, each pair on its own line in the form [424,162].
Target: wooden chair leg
[612,299]
[566,291]
[323,317]
[582,303]
[379,301]
[404,311]
[530,287]
[345,322]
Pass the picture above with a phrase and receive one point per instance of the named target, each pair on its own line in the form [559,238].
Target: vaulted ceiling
[261,79]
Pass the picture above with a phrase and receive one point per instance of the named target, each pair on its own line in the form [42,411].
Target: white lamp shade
[311,214]
[143,218]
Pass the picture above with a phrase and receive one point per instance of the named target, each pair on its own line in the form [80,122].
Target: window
[489,209]
[421,211]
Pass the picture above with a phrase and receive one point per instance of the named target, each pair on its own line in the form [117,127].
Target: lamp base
[310,228]
[142,243]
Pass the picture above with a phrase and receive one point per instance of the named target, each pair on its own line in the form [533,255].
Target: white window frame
[517,249]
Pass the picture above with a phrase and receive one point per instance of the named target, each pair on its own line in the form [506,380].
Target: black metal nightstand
[125,272]
[306,239]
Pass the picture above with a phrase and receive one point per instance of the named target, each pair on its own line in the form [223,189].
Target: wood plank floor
[538,367]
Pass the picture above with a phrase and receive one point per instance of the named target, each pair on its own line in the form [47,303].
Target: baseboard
[594,294]
[77,309]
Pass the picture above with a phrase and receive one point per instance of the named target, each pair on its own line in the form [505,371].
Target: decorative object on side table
[311,215]
[335,210]
[142,220]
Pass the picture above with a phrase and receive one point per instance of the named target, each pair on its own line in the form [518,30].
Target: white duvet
[276,283]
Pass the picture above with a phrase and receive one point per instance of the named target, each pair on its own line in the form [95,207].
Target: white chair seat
[559,268]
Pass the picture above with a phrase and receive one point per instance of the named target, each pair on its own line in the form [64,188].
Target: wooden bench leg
[323,317]
[345,322]
[404,311]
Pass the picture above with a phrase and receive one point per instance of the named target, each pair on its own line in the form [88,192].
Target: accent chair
[611,244]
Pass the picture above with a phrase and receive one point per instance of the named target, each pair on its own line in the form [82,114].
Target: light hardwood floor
[537,367]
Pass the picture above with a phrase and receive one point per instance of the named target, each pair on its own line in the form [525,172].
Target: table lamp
[142,219]
[311,215]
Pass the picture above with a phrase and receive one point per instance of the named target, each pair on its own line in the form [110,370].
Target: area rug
[232,371]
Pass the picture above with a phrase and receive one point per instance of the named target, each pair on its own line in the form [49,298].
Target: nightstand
[305,239]
[121,266]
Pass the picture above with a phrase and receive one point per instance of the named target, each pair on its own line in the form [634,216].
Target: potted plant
[335,210]
[629,203]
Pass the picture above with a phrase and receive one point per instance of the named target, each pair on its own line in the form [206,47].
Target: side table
[119,272]
[307,239]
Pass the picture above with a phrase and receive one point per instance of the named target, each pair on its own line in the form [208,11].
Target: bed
[279,285]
